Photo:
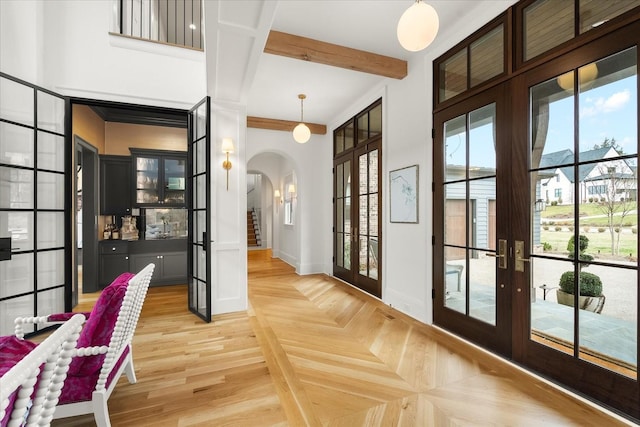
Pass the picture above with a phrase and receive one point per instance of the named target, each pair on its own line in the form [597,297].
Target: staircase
[253,230]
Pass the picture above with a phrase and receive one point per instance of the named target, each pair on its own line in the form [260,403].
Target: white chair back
[44,368]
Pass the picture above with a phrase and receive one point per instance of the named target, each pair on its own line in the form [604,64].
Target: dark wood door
[471,208]
[578,321]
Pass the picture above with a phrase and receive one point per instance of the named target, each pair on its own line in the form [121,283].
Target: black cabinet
[114,260]
[158,177]
[169,256]
[115,185]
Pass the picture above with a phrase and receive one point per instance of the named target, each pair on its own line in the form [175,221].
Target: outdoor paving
[612,333]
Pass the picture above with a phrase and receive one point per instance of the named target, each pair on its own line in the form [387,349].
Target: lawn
[599,243]
[591,215]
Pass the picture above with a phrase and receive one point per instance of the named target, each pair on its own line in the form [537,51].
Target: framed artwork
[403,194]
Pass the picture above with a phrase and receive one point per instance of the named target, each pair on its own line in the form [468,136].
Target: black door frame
[89,162]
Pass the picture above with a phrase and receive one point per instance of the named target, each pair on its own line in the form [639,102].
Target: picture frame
[403,195]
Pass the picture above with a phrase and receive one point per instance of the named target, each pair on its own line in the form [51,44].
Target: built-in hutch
[146,189]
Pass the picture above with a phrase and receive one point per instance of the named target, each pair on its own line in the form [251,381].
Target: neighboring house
[599,180]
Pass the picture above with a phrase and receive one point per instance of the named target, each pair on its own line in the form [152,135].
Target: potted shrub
[590,285]
[591,297]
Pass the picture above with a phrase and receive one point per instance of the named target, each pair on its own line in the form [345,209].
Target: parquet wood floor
[311,351]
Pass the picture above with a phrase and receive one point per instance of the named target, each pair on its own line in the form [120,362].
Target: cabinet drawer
[114,247]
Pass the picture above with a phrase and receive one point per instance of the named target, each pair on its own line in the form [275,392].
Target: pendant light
[586,75]
[301,133]
[418,26]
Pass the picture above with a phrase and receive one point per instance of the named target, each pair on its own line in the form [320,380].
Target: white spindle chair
[81,397]
[43,368]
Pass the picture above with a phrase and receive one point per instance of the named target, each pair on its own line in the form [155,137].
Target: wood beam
[311,50]
[284,125]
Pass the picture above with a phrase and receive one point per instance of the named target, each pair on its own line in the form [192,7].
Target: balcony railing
[176,22]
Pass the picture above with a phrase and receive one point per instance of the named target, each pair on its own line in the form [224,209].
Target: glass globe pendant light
[301,133]
[418,26]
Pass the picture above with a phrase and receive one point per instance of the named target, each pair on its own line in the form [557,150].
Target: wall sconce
[227,147]
[292,191]
[418,26]
[540,205]
[276,195]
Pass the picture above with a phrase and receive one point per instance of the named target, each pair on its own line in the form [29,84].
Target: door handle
[5,249]
[519,253]
[501,255]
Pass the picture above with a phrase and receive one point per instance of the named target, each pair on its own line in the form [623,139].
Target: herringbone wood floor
[312,351]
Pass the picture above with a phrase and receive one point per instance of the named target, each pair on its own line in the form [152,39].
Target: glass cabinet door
[147,180]
[174,180]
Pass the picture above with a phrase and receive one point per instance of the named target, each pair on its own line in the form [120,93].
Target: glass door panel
[147,180]
[199,204]
[473,201]
[174,180]
[33,170]
[343,229]
[583,210]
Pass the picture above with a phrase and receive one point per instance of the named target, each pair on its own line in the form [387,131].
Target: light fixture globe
[586,75]
[301,133]
[418,26]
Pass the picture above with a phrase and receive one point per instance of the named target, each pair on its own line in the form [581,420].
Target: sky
[606,111]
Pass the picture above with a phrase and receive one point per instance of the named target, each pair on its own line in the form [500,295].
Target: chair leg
[129,370]
[101,410]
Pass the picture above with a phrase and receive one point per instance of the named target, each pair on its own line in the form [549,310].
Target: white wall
[406,252]
[71,52]
[21,39]
[276,154]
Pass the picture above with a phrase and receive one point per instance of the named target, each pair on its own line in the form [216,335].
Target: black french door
[199,178]
[35,202]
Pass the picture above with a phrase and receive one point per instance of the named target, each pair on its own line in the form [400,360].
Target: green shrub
[582,247]
[590,284]
[571,228]
[554,203]
[600,229]
[545,227]
[558,228]
[616,229]
[546,246]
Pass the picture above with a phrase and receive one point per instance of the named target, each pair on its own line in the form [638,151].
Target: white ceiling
[368,25]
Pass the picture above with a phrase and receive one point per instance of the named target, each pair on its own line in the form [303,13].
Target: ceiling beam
[311,50]
[284,125]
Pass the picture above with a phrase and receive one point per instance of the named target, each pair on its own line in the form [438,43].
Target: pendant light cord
[302,97]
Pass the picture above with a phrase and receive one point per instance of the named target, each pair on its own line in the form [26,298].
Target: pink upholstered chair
[32,375]
[104,347]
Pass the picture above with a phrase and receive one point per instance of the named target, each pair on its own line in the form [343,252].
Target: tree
[618,199]
[609,143]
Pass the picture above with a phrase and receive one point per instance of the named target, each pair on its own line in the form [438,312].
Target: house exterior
[610,180]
